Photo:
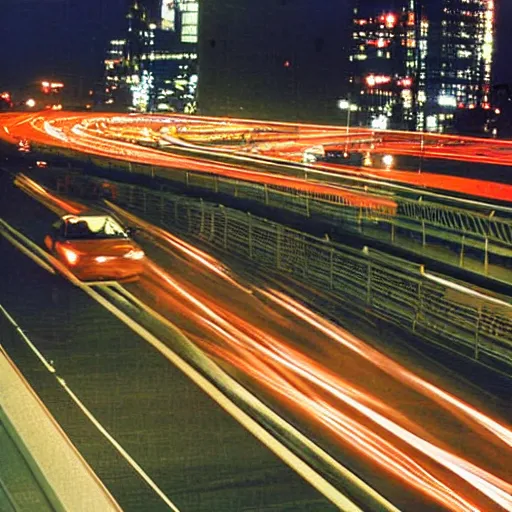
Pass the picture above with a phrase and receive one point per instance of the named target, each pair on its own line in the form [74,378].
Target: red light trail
[77,132]
[261,340]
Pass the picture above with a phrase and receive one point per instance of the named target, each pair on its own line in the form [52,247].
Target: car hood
[106,247]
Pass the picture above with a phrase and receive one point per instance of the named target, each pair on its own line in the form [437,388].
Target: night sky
[66,39]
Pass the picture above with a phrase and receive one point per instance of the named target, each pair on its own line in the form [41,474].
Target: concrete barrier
[65,477]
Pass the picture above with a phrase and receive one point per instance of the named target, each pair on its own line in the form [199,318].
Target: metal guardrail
[464,228]
[391,288]
[459,221]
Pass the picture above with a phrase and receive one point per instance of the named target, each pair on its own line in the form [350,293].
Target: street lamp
[346,104]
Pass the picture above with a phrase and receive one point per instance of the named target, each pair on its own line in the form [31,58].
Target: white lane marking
[61,381]
[284,453]
[117,446]
[254,402]
[25,338]
[292,460]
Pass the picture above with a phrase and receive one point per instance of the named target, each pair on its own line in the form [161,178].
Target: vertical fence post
[392,233]
[369,284]
[419,307]
[331,269]
[236,188]
[477,332]
[308,212]
[187,179]
[265,188]
[225,237]
[212,226]
[201,226]
[423,233]
[462,242]
[486,256]
[249,225]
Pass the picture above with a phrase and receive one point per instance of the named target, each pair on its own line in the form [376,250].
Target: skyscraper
[385,61]
[415,62]
[459,57]
[154,66]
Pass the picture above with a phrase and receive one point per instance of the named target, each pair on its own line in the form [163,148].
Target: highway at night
[232,387]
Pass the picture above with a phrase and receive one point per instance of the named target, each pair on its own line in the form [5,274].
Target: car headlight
[70,255]
[134,254]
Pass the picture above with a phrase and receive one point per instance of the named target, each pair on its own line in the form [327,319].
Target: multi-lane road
[228,392]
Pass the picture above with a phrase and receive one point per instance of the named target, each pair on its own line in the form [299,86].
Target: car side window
[58,228]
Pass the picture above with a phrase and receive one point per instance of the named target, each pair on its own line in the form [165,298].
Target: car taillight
[134,254]
[70,255]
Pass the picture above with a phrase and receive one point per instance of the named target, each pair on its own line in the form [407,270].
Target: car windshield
[93,227]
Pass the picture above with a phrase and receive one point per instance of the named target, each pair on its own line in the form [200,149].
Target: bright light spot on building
[30,103]
[431,123]
[390,20]
[373,80]
[380,122]
[447,101]
[388,160]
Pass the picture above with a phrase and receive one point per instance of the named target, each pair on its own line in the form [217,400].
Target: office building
[415,62]
[459,59]
[385,59]
[154,67]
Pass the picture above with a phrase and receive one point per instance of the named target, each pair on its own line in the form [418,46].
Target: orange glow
[391,20]
[51,201]
[70,255]
[74,136]
[306,385]
[374,80]
[388,365]
[405,82]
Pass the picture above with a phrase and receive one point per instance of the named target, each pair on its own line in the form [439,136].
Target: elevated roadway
[423,439]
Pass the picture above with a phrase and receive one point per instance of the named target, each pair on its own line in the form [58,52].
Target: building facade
[272,59]
[414,63]
[385,60]
[154,67]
